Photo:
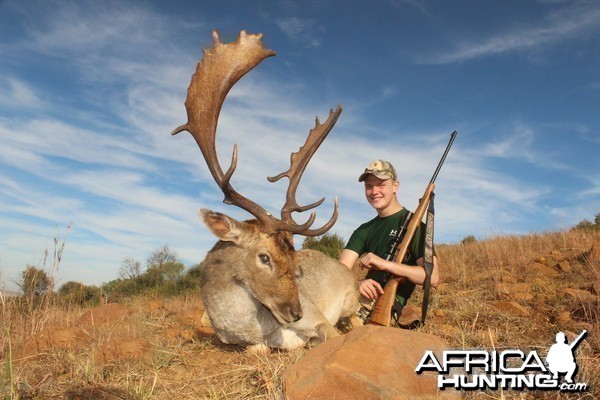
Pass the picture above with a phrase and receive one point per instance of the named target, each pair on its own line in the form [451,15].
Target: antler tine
[298,163]
[220,68]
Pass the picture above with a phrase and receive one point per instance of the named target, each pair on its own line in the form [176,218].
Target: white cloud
[572,21]
[301,30]
[15,93]
[90,28]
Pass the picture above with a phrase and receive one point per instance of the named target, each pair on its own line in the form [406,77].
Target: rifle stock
[382,313]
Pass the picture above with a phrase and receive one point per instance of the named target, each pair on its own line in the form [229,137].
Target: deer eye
[265,259]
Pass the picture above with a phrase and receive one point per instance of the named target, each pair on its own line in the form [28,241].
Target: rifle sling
[428,258]
[428,266]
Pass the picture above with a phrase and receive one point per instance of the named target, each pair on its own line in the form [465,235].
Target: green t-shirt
[377,236]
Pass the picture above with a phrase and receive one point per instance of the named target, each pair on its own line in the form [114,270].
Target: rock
[541,269]
[515,291]
[511,308]
[565,266]
[369,362]
[410,313]
[556,257]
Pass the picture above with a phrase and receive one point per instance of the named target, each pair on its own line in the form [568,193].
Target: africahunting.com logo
[508,369]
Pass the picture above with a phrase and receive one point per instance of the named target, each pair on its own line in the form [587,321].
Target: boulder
[370,362]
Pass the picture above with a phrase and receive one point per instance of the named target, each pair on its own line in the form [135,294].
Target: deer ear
[222,226]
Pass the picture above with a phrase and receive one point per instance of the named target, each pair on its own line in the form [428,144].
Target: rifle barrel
[437,170]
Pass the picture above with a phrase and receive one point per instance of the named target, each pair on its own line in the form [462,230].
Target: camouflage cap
[381,169]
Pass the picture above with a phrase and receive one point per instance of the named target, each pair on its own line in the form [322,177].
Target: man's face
[380,192]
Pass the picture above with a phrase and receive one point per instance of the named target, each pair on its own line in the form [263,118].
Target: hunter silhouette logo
[507,369]
[561,358]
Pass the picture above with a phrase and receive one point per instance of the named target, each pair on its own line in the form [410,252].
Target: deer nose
[296,315]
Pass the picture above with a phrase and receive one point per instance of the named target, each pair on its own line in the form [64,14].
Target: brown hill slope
[504,292]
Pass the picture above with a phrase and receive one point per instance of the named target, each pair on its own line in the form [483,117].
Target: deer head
[269,240]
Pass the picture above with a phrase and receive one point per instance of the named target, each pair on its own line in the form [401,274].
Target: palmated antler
[220,68]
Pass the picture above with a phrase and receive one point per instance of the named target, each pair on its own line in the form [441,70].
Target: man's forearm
[413,273]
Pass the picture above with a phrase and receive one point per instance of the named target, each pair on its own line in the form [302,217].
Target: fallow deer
[257,290]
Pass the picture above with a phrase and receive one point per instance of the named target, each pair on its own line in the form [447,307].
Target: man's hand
[371,261]
[370,289]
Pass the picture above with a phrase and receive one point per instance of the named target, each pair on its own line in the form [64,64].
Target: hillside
[503,292]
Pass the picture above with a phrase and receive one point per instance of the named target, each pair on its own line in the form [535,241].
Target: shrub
[589,225]
[330,244]
[468,240]
[77,293]
[34,282]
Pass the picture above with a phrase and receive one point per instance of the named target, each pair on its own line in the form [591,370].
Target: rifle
[382,313]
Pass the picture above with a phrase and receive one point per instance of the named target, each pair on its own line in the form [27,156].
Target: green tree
[34,282]
[163,271]
[164,275]
[589,225]
[120,288]
[192,277]
[330,244]
[77,293]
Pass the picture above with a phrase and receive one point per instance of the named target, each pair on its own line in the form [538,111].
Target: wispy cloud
[305,31]
[15,93]
[571,21]
[96,28]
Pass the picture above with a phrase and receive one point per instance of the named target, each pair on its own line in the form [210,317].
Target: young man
[372,240]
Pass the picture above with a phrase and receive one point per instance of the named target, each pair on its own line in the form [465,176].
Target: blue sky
[90,91]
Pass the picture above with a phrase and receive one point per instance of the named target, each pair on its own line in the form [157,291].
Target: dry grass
[158,349]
